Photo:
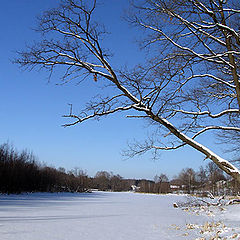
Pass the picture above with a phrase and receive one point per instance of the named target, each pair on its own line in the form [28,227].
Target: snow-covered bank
[98,215]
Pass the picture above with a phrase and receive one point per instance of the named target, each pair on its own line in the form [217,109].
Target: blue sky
[31,107]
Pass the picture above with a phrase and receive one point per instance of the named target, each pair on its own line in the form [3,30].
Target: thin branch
[94,115]
[236,129]
[225,112]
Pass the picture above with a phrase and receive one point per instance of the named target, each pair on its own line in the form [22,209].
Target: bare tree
[188,178]
[116,182]
[189,86]
[214,175]
[159,180]
[102,180]
[202,177]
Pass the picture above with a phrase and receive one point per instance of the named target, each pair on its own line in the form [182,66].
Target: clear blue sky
[31,108]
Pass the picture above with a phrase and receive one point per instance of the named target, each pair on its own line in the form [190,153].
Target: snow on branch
[213,77]
[184,48]
[225,112]
[236,129]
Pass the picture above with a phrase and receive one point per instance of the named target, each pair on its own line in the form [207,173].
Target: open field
[96,216]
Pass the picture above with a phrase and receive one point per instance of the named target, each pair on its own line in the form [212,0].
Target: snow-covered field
[98,216]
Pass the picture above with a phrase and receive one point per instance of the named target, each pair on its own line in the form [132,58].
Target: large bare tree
[188,86]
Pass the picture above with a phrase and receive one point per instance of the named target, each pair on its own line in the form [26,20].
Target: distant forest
[21,172]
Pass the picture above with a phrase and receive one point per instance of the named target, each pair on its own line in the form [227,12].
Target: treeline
[21,172]
[209,178]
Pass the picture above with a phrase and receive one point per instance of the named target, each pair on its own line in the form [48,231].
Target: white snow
[232,216]
[95,216]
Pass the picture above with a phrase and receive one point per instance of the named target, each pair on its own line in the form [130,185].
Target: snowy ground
[102,216]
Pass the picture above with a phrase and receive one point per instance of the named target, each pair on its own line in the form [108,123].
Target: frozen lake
[94,216]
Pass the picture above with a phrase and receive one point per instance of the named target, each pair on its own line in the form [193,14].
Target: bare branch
[216,128]
[94,115]
[228,111]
